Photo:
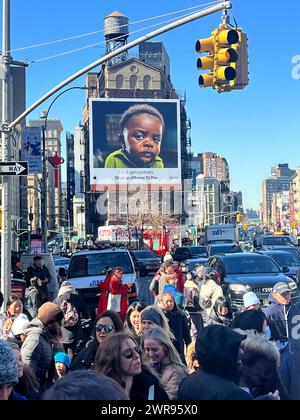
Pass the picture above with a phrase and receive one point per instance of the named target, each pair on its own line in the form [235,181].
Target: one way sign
[13,168]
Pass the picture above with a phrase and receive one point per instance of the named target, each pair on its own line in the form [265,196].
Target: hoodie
[36,350]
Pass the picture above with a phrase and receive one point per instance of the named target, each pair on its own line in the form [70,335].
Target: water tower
[116,32]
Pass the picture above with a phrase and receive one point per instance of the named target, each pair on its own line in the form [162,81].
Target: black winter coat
[86,358]
[179,326]
[141,386]
[201,386]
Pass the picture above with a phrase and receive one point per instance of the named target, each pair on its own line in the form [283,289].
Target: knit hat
[250,299]
[152,315]
[8,365]
[168,257]
[20,324]
[49,312]
[249,320]
[63,358]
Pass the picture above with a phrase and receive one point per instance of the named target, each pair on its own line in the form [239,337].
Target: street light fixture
[44,115]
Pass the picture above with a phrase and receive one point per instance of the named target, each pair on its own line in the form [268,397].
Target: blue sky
[254,128]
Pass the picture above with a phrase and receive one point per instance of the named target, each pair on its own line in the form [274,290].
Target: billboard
[31,149]
[134,142]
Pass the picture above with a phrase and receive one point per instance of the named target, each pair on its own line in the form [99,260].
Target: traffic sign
[13,168]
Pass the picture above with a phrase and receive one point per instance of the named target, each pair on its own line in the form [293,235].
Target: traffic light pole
[7,105]
[6,153]
[198,15]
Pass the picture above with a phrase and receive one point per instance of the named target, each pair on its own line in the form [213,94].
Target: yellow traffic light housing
[227,59]
[238,217]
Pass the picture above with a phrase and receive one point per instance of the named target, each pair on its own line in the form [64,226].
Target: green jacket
[120,159]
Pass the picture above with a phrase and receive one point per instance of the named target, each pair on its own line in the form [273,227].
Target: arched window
[133,82]
[119,81]
[147,81]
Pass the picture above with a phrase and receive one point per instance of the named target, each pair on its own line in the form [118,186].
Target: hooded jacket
[217,350]
[37,350]
[34,299]
[277,315]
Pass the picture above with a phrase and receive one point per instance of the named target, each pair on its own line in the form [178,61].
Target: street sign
[13,168]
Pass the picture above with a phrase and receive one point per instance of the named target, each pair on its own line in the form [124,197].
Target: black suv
[183,253]
[242,273]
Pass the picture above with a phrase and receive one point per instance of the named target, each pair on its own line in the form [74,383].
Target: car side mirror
[285,269]
[62,272]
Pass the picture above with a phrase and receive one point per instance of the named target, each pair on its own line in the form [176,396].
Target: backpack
[71,316]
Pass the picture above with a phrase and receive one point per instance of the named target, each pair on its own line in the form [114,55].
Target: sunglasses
[106,328]
[129,353]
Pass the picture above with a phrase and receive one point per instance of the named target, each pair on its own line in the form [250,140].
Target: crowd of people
[188,345]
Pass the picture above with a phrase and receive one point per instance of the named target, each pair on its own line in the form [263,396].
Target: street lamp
[44,115]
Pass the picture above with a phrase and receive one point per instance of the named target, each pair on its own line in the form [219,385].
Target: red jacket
[181,280]
[104,287]
[116,287]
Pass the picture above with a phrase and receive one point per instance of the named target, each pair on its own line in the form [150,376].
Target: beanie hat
[20,324]
[49,312]
[8,365]
[153,316]
[168,257]
[63,358]
[250,298]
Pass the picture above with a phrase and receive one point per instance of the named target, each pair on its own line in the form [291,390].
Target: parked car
[246,272]
[286,259]
[88,268]
[269,241]
[146,261]
[191,264]
[223,248]
[183,253]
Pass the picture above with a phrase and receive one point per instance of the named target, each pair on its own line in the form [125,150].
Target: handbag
[114,302]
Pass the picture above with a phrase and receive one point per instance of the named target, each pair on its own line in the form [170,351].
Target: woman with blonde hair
[162,356]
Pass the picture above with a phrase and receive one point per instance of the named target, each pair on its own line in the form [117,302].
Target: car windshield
[225,249]
[275,240]
[251,265]
[285,260]
[96,264]
[62,261]
[145,254]
[198,250]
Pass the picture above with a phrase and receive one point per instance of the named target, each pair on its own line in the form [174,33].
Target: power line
[103,42]
[102,30]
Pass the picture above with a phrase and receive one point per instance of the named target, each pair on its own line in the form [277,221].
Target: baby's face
[142,137]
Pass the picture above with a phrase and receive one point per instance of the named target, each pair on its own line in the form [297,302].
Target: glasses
[106,328]
[129,353]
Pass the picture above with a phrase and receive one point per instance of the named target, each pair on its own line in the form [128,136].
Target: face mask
[268,333]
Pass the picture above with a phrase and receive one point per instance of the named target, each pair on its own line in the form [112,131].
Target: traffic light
[238,217]
[227,59]
[241,65]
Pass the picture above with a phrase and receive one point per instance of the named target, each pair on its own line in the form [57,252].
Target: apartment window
[119,81]
[133,82]
[146,82]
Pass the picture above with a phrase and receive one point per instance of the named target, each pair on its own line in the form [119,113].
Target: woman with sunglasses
[119,358]
[106,324]
[163,358]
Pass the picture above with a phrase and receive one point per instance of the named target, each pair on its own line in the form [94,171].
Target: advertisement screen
[134,142]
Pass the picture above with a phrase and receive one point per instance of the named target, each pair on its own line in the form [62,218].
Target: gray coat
[37,350]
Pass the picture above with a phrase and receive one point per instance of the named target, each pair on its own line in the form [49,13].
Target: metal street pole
[69,230]
[44,222]
[6,153]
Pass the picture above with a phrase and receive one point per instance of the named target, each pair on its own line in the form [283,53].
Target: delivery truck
[221,233]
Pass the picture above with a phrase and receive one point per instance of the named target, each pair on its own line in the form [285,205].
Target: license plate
[93,283]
